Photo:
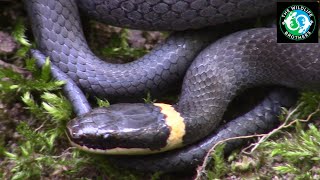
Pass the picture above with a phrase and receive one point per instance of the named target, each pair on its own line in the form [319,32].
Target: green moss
[118,47]
[291,151]
[40,149]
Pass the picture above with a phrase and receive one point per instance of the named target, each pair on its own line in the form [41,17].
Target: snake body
[58,33]
[225,68]
[172,14]
[263,118]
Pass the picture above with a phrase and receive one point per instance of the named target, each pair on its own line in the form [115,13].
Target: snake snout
[119,129]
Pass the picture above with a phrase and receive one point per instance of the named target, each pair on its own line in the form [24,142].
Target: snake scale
[213,76]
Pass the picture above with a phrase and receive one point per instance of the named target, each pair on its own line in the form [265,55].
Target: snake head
[122,129]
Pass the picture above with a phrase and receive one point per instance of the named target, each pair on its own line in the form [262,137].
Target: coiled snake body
[231,64]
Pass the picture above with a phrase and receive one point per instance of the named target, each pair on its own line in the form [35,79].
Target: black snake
[219,72]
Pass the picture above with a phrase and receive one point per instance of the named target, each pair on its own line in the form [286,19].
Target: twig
[41,126]
[65,153]
[201,169]
[282,126]
[264,137]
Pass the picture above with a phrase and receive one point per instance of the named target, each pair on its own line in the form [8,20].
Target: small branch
[264,137]
[65,153]
[282,126]
[41,126]
[201,169]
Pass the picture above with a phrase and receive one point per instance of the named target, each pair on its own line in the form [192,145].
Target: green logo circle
[297,22]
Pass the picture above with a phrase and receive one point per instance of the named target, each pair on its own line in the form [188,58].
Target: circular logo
[297,22]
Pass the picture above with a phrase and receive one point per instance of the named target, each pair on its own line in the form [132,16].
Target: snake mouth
[121,129]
